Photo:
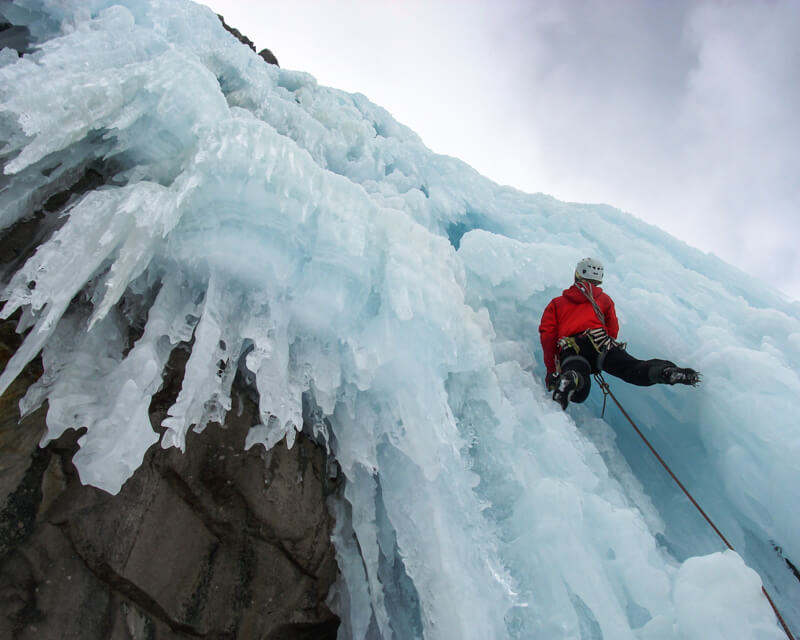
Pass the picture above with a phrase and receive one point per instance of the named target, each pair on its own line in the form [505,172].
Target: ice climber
[579,337]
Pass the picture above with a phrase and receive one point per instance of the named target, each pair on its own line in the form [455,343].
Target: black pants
[618,362]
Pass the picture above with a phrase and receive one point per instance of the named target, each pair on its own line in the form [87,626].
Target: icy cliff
[387,298]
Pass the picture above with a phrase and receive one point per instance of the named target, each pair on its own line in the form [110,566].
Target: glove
[550,380]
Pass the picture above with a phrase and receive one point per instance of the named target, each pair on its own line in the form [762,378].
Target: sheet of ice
[386,300]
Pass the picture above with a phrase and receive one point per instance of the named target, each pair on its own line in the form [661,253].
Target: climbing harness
[598,338]
[607,392]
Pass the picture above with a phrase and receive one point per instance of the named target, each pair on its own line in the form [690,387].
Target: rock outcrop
[217,542]
[266,54]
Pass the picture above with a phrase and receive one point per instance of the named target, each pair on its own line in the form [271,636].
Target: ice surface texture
[387,298]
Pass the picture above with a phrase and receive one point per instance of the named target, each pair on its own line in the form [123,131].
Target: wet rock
[19,440]
[216,542]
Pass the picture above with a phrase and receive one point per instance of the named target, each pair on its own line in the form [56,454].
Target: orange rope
[607,392]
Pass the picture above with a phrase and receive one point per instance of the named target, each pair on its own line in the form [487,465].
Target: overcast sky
[683,113]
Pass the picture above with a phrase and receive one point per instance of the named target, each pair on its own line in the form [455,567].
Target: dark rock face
[269,57]
[266,54]
[216,542]
[14,37]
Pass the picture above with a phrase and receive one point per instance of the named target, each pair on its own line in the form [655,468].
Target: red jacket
[572,313]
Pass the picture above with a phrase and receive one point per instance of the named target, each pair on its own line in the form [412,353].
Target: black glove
[550,380]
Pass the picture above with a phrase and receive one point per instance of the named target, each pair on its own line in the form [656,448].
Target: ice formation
[388,298]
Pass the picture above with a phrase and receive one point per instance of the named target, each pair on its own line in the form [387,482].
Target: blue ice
[302,234]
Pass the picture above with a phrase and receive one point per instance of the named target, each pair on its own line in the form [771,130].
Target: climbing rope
[607,392]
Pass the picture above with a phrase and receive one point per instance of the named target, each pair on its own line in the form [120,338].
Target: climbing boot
[676,375]
[566,385]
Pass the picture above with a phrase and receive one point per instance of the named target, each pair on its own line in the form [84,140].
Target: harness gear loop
[568,342]
[607,392]
[564,343]
[598,338]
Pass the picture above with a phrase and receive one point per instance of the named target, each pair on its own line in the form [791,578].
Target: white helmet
[589,269]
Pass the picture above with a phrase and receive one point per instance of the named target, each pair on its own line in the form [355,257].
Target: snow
[301,236]
[736,588]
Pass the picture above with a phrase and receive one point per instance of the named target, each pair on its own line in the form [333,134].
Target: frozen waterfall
[388,298]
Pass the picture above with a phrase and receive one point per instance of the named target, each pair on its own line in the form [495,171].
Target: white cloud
[684,113]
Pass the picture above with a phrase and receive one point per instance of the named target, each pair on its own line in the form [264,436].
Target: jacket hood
[573,294]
